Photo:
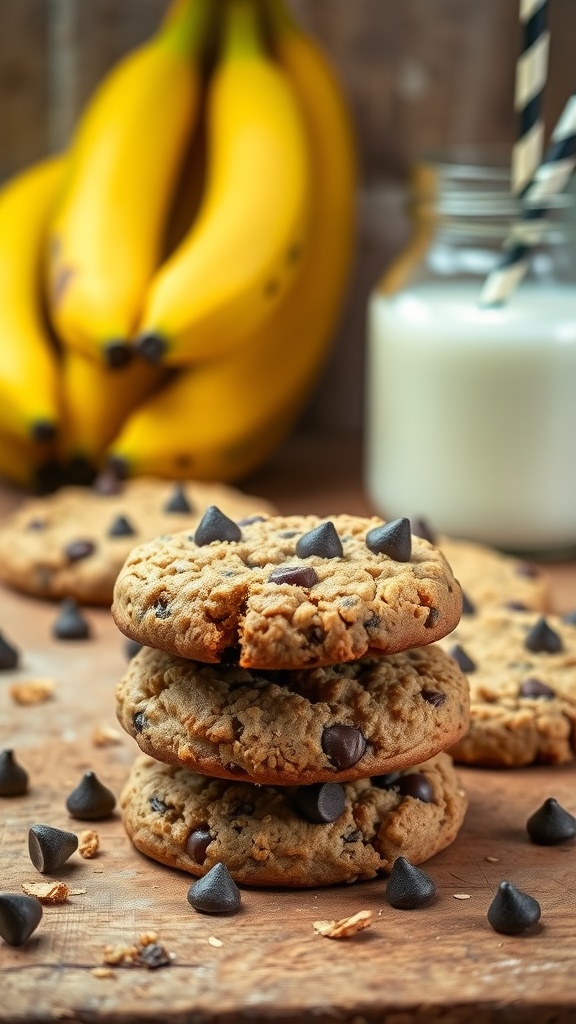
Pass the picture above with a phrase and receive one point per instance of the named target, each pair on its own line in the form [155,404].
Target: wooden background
[419,74]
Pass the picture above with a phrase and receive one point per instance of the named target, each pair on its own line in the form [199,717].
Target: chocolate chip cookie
[334,723]
[521,667]
[292,836]
[74,542]
[286,592]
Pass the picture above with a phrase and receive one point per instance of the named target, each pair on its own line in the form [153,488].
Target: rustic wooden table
[439,964]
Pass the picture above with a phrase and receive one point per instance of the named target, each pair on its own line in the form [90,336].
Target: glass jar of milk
[471,412]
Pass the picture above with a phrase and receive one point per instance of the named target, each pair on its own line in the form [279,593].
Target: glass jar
[470,411]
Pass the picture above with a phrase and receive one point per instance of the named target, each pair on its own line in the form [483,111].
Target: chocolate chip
[296,575]
[19,917]
[322,541]
[315,635]
[215,893]
[570,618]
[431,618]
[153,956]
[286,534]
[467,607]
[131,648]
[121,527]
[433,697]
[107,483]
[388,781]
[462,659]
[512,911]
[248,520]
[13,777]
[393,539]
[343,745]
[139,721]
[408,887]
[415,785]
[79,549]
[158,805]
[551,824]
[162,608]
[542,639]
[516,606]
[70,624]
[322,802]
[421,528]
[534,688]
[372,622]
[36,524]
[178,502]
[9,656]
[90,800]
[198,842]
[214,525]
[50,848]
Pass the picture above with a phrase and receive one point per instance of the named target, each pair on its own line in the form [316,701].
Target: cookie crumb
[88,844]
[106,736]
[214,941]
[32,691]
[120,954]
[146,953]
[346,927]
[461,896]
[102,972]
[47,892]
[492,860]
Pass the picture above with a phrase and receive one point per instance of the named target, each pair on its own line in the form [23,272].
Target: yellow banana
[246,244]
[106,236]
[222,419]
[96,401]
[28,364]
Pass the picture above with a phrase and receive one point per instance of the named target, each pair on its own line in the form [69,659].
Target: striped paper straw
[550,179]
[531,73]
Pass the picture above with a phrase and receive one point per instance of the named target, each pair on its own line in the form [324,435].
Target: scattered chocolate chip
[408,887]
[433,697]
[121,527]
[248,520]
[296,575]
[90,800]
[50,848]
[13,777]
[461,658]
[527,569]
[216,892]
[393,539]
[322,802]
[153,956]
[421,528]
[157,805]
[542,639]
[534,688]
[467,607]
[214,525]
[551,824]
[344,745]
[416,785]
[70,624]
[198,842]
[107,483]
[139,721]
[19,917]
[388,781]
[131,648]
[322,541]
[570,618]
[512,911]
[79,549]
[178,502]
[9,656]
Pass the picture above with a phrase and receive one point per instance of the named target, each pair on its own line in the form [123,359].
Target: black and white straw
[549,179]
[531,74]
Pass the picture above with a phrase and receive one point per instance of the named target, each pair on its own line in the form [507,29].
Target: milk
[471,413]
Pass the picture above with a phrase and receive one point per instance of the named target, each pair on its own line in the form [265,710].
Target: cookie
[335,723]
[264,834]
[74,542]
[491,578]
[521,668]
[287,591]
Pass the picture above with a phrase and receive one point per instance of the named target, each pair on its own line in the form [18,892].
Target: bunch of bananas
[169,285]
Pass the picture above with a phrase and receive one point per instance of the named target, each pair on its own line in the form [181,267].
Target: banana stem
[185,25]
[242,36]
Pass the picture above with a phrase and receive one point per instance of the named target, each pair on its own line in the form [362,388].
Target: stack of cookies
[291,702]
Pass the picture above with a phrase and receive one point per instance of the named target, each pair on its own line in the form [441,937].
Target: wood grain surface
[443,963]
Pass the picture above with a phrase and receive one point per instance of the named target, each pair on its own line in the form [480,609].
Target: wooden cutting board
[442,963]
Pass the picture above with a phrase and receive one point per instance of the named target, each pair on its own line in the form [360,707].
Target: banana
[245,247]
[223,419]
[95,402]
[106,235]
[28,364]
